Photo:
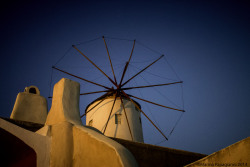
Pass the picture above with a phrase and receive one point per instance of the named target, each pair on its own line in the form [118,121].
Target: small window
[118,118]
[91,122]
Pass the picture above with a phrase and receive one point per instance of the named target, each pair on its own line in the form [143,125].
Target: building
[62,140]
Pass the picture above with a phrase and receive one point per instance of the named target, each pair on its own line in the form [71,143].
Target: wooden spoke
[81,78]
[109,59]
[83,115]
[156,103]
[142,70]
[127,63]
[123,73]
[94,64]
[86,112]
[110,114]
[127,119]
[94,92]
[151,85]
[144,114]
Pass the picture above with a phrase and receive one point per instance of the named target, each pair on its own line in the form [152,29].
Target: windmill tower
[121,119]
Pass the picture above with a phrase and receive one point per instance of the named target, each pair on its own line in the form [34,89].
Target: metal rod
[94,92]
[81,78]
[94,64]
[109,59]
[156,103]
[110,114]
[142,70]
[151,85]
[126,118]
[144,114]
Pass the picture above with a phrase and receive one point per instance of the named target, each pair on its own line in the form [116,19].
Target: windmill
[116,104]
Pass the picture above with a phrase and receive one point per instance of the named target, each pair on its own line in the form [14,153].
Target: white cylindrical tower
[118,127]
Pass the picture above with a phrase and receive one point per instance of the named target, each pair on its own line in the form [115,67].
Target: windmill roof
[107,95]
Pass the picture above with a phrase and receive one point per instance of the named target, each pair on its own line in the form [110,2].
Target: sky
[206,43]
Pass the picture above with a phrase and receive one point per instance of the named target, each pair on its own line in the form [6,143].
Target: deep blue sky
[207,43]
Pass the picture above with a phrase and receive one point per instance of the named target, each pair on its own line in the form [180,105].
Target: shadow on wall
[14,152]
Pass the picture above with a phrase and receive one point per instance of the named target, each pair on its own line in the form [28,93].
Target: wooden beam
[94,65]
[126,118]
[142,70]
[110,114]
[156,104]
[81,78]
[109,59]
[94,92]
[136,105]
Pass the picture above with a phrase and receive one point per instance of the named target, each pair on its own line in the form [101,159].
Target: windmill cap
[107,95]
